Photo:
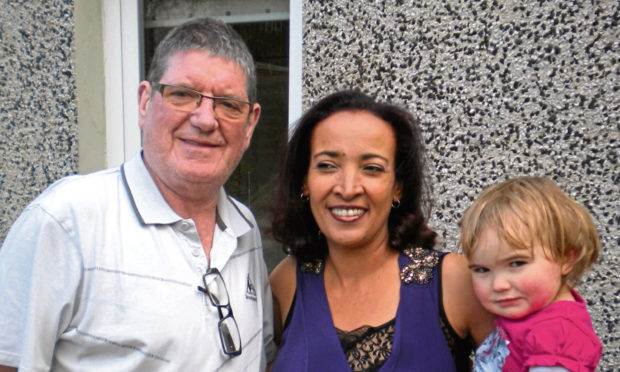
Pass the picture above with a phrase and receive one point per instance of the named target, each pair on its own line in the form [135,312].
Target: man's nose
[204,117]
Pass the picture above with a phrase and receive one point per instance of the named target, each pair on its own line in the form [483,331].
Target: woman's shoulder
[463,310]
[456,276]
[283,281]
[456,287]
[283,275]
[454,266]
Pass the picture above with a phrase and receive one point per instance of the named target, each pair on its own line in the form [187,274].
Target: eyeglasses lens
[229,333]
[188,100]
[217,289]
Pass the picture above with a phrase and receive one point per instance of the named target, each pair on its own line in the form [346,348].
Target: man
[150,266]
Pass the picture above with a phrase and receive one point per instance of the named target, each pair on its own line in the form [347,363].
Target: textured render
[502,88]
[38,120]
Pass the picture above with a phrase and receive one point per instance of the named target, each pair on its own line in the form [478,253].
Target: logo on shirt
[250,292]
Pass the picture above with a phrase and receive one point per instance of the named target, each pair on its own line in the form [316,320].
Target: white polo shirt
[99,273]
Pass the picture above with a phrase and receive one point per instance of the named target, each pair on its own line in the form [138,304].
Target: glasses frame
[218,276]
[161,86]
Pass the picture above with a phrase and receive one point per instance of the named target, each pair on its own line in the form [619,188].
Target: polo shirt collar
[229,215]
[148,203]
[151,207]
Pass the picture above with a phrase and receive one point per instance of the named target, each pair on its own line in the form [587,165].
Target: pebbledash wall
[502,89]
[38,118]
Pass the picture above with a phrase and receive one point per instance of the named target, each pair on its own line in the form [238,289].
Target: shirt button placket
[189,232]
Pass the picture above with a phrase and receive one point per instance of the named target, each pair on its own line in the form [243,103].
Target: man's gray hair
[209,35]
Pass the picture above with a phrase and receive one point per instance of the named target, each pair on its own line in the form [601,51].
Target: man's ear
[251,125]
[144,98]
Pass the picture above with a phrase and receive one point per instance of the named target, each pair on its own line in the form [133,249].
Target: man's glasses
[187,100]
[215,289]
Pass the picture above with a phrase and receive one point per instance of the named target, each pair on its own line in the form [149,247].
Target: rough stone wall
[38,118]
[503,88]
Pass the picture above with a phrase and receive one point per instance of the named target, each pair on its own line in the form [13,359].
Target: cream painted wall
[90,83]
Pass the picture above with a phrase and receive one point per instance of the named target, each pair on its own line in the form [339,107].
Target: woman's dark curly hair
[293,223]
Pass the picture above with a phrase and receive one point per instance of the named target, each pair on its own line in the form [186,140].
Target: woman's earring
[395,203]
[303,197]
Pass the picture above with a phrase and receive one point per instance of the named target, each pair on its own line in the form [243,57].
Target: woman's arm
[283,283]
[462,308]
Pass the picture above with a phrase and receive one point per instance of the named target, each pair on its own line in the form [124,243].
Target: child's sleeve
[562,342]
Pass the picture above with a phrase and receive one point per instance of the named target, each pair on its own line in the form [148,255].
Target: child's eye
[517,263]
[479,270]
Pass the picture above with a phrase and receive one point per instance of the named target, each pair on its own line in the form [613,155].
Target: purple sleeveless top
[310,342]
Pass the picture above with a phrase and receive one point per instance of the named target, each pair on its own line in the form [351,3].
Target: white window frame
[122,61]
[295,61]
[122,35]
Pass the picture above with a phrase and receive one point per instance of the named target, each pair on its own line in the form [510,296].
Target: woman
[362,288]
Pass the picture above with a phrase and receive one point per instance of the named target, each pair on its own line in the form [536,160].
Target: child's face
[512,282]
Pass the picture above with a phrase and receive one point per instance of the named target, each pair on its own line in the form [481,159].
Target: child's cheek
[483,294]
[540,292]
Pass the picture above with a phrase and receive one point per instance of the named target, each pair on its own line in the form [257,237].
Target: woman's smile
[348,214]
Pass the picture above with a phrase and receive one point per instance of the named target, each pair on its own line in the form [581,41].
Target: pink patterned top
[559,335]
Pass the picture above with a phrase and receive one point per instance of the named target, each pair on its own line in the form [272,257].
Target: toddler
[528,244]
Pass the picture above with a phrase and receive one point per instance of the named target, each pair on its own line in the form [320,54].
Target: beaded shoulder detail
[420,269]
[314,266]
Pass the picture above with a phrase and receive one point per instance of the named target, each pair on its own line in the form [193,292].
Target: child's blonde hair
[533,210]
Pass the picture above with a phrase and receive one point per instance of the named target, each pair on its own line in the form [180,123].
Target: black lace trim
[367,348]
